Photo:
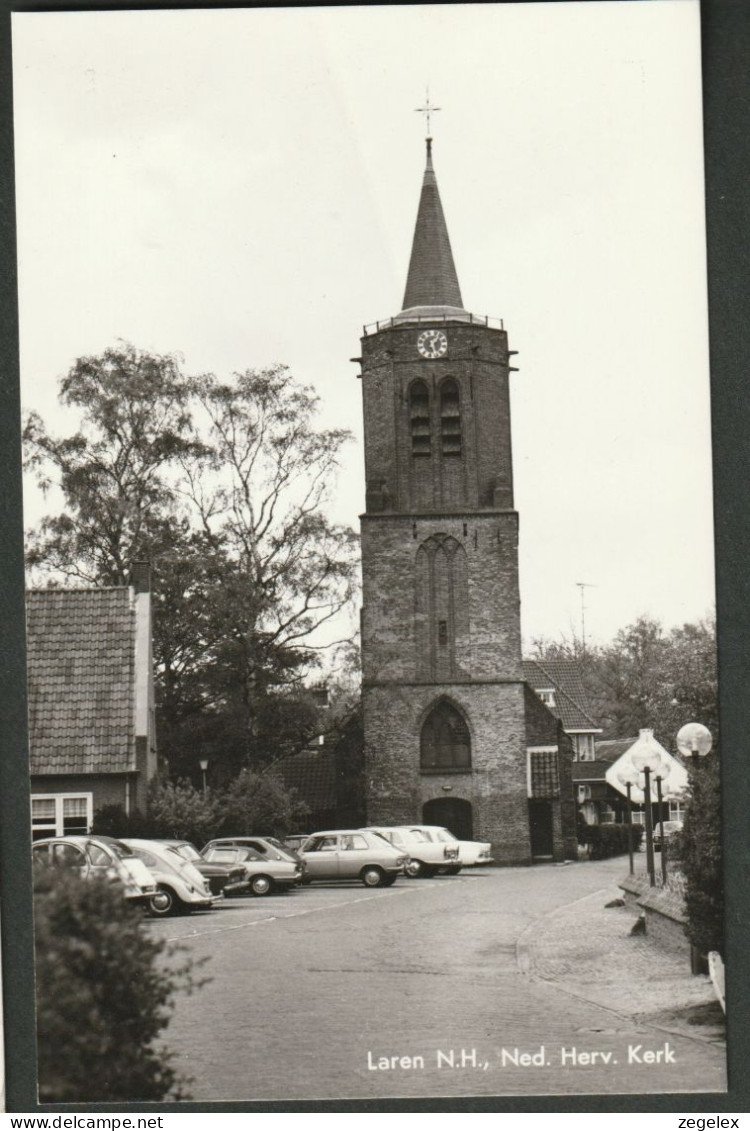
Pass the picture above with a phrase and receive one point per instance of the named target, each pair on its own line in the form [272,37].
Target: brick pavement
[586,949]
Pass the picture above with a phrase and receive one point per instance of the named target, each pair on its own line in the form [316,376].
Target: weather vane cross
[427,109]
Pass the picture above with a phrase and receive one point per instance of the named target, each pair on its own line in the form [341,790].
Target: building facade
[92,738]
[443,684]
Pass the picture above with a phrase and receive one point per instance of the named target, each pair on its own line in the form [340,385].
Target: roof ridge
[79,589]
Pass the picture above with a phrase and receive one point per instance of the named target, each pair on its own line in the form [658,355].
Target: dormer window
[547,696]
[450,419]
[419,416]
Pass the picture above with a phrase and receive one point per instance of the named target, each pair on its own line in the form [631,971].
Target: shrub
[701,858]
[103,994]
[611,840]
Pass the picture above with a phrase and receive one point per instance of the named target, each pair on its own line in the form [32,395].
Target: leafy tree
[104,995]
[259,491]
[223,486]
[647,677]
[114,470]
[259,801]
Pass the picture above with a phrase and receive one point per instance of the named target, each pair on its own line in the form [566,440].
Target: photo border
[725,50]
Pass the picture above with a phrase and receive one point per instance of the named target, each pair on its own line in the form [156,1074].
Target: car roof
[338,832]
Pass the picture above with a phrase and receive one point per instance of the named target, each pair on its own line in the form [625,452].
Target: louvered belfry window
[445,743]
[419,411]
[450,418]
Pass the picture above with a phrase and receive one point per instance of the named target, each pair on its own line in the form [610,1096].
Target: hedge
[610,840]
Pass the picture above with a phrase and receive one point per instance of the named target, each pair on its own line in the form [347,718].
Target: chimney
[140,577]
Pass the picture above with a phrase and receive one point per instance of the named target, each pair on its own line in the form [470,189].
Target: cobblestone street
[502,982]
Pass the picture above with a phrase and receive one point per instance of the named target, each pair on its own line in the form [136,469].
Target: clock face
[432,343]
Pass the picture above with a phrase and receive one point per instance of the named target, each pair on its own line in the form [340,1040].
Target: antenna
[583,586]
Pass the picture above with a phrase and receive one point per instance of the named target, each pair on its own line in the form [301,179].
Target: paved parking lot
[421,989]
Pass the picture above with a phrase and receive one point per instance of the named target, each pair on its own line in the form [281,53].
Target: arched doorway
[452,813]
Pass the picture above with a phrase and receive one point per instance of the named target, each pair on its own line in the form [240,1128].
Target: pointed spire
[432,280]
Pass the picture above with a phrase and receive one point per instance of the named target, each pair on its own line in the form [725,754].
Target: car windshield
[119,849]
[418,836]
[444,835]
[186,851]
[386,835]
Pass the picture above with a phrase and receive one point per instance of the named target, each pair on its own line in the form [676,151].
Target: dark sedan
[222,878]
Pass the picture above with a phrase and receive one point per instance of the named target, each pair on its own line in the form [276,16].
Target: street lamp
[694,740]
[629,780]
[204,766]
[648,762]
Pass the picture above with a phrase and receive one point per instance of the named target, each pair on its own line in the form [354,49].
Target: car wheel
[261,885]
[415,868]
[452,870]
[164,903]
[372,876]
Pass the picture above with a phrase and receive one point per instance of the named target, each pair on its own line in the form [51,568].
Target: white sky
[241,186]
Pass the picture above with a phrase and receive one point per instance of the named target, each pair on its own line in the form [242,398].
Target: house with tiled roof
[92,738]
[559,685]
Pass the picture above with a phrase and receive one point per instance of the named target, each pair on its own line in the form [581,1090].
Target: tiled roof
[432,278]
[81,656]
[313,774]
[564,676]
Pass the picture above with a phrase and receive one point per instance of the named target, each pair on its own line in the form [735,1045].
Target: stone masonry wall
[492,647]
[477,359]
[496,785]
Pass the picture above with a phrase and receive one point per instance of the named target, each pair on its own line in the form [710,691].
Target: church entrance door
[451,813]
[540,821]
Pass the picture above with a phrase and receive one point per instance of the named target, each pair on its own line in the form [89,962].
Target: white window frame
[56,826]
[547,696]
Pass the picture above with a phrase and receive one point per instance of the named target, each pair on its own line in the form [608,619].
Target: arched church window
[450,418]
[445,743]
[419,414]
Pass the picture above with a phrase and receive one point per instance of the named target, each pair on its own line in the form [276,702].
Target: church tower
[443,692]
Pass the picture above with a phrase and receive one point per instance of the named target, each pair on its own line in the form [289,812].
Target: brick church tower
[443,691]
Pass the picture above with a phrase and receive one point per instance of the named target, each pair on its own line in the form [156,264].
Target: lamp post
[628,780]
[204,766]
[661,776]
[648,762]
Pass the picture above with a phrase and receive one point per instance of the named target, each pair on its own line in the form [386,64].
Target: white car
[471,853]
[426,856]
[352,854]
[97,856]
[180,886]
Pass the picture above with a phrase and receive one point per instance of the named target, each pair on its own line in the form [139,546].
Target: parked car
[268,846]
[426,856]
[471,853]
[264,873]
[664,831]
[94,856]
[353,854]
[181,887]
[222,878]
